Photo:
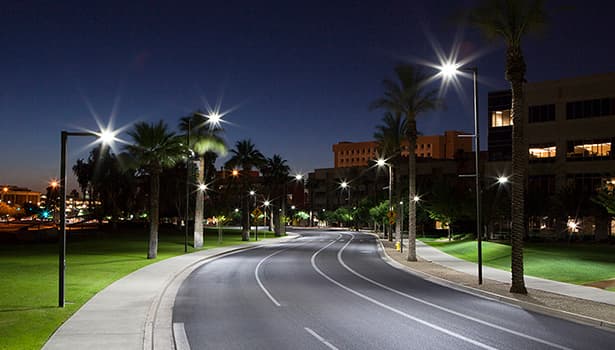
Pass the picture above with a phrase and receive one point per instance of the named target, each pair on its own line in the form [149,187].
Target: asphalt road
[331,290]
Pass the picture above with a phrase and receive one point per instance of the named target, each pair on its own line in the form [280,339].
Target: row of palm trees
[408,96]
[154,147]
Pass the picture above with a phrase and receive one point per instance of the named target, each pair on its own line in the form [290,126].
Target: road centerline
[390,308]
[321,339]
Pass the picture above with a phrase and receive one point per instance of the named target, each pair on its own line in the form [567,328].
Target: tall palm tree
[408,97]
[389,136]
[510,21]
[207,144]
[275,172]
[154,148]
[245,157]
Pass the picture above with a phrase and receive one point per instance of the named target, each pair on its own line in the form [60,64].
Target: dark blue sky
[301,73]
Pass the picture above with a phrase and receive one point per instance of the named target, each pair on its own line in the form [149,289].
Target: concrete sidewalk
[434,255]
[134,312]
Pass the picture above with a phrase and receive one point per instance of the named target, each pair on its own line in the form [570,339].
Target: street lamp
[105,137]
[266,205]
[253,194]
[502,180]
[382,162]
[449,70]
[345,186]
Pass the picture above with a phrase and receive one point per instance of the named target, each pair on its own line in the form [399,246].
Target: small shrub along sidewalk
[576,263]
[29,273]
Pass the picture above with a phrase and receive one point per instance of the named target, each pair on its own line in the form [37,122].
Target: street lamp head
[381,162]
[449,69]
[235,172]
[292,207]
[299,177]
[416,198]
[202,187]
[266,203]
[502,180]
[106,136]
[236,210]
[54,183]
[344,184]
[252,193]
[6,189]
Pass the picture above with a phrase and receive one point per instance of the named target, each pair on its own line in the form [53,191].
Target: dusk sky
[300,74]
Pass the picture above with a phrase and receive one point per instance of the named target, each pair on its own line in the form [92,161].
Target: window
[543,113]
[588,149]
[590,108]
[501,118]
[544,151]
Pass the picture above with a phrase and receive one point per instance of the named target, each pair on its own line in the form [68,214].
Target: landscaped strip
[29,275]
[577,263]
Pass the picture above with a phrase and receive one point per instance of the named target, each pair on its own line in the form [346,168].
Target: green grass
[576,263]
[29,275]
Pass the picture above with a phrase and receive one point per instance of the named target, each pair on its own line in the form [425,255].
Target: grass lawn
[576,263]
[29,275]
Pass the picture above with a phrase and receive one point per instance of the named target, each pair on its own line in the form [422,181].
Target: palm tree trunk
[283,214]
[411,189]
[198,208]
[515,73]
[397,198]
[154,214]
[245,218]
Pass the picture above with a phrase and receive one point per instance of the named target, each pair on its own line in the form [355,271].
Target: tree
[408,97]
[606,198]
[83,171]
[389,136]
[378,213]
[275,173]
[447,205]
[154,148]
[207,144]
[510,21]
[245,156]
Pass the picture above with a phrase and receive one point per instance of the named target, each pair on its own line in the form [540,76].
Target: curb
[570,316]
[158,327]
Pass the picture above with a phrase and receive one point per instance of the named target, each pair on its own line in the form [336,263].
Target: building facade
[15,195]
[570,130]
[359,154]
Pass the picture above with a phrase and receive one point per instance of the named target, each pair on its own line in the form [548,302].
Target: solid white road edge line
[392,309]
[181,339]
[341,261]
[321,339]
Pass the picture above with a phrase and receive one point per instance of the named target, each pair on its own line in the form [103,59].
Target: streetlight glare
[266,203]
[298,177]
[344,184]
[502,179]
[202,187]
[449,70]
[106,136]
[252,193]
[380,162]
[416,198]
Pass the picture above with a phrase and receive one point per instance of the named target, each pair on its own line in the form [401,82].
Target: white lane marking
[390,308]
[321,339]
[341,261]
[181,339]
[260,283]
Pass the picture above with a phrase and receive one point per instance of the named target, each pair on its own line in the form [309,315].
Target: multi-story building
[19,196]
[569,131]
[353,154]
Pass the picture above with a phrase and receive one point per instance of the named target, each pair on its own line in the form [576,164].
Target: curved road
[331,290]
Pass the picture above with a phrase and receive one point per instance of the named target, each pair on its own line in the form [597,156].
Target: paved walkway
[126,314]
[589,293]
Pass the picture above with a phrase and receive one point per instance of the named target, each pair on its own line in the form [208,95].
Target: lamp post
[345,186]
[401,225]
[265,206]
[253,194]
[448,71]
[105,137]
[381,162]
[188,168]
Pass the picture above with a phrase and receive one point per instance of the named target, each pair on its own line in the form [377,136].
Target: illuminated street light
[415,198]
[202,187]
[380,163]
[299,177]
[449,71]
[106,137]
[235,172]
[502,179]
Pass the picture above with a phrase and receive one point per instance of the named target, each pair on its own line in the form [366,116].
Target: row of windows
[362,151]
[544,113]
[590,108]
[575,150]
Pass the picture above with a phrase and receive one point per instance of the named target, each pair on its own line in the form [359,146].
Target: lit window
[541,152]
[501,118]
[589,149]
